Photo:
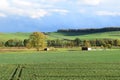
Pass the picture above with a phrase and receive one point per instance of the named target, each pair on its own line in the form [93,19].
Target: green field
[58,35]
[69,35]
[60,65]
[105,56]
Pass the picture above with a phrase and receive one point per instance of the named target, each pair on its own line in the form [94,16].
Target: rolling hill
[62,35]
[69,35]
[18,35]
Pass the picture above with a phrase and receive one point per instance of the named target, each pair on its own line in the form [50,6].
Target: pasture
[60,65]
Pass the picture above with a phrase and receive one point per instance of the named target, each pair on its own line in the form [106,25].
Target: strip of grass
[104,56]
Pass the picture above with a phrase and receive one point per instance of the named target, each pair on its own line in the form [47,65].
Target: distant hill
[73,35]
[111,32]
[108,32]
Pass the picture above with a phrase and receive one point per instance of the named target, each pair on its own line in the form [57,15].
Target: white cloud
[22,3]
[53,1]
[4,4]
[92,2]
[29,4]
[89,2]
[38,13]
[32,13]
[2,15]
[61,11]
[82,10]
[107,13]
[30,9]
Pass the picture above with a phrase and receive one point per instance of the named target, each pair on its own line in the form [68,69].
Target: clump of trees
[36,40]
[14,43]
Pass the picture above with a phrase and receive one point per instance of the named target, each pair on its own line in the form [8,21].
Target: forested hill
[91,30]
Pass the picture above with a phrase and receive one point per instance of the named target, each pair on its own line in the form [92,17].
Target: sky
[51,15]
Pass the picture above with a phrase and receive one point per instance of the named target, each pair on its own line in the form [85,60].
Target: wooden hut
[46,49]
[86,48]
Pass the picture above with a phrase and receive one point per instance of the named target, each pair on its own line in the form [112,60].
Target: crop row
[61,71]
[82,71]
[6,71]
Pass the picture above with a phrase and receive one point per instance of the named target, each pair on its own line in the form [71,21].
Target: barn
[86,48]
[46,49]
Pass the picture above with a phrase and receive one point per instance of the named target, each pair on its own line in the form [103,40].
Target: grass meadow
[60,65]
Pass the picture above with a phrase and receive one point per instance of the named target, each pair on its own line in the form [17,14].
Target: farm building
[86,48]
[46,49]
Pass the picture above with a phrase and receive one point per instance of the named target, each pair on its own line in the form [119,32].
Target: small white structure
[89,49]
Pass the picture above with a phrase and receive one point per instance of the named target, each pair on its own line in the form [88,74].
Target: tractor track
[17,73]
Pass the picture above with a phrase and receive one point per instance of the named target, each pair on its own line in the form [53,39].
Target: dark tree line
[107,29]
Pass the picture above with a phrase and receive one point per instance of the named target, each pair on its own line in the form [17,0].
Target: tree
[37,40]
[109,46]
[87,43]
[1,43]
[77,42]
[10,43]
[25,42]
[117,42]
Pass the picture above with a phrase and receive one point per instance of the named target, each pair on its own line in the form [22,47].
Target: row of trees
[108,43]
[38,40]
[107,29]
[12,43]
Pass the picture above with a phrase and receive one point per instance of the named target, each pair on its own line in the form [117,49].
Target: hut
[86,48]
[46,49]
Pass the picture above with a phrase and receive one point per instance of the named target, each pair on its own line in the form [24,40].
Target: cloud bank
[42,8]
[32,9]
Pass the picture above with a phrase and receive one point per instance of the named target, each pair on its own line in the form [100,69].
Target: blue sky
[50,15]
